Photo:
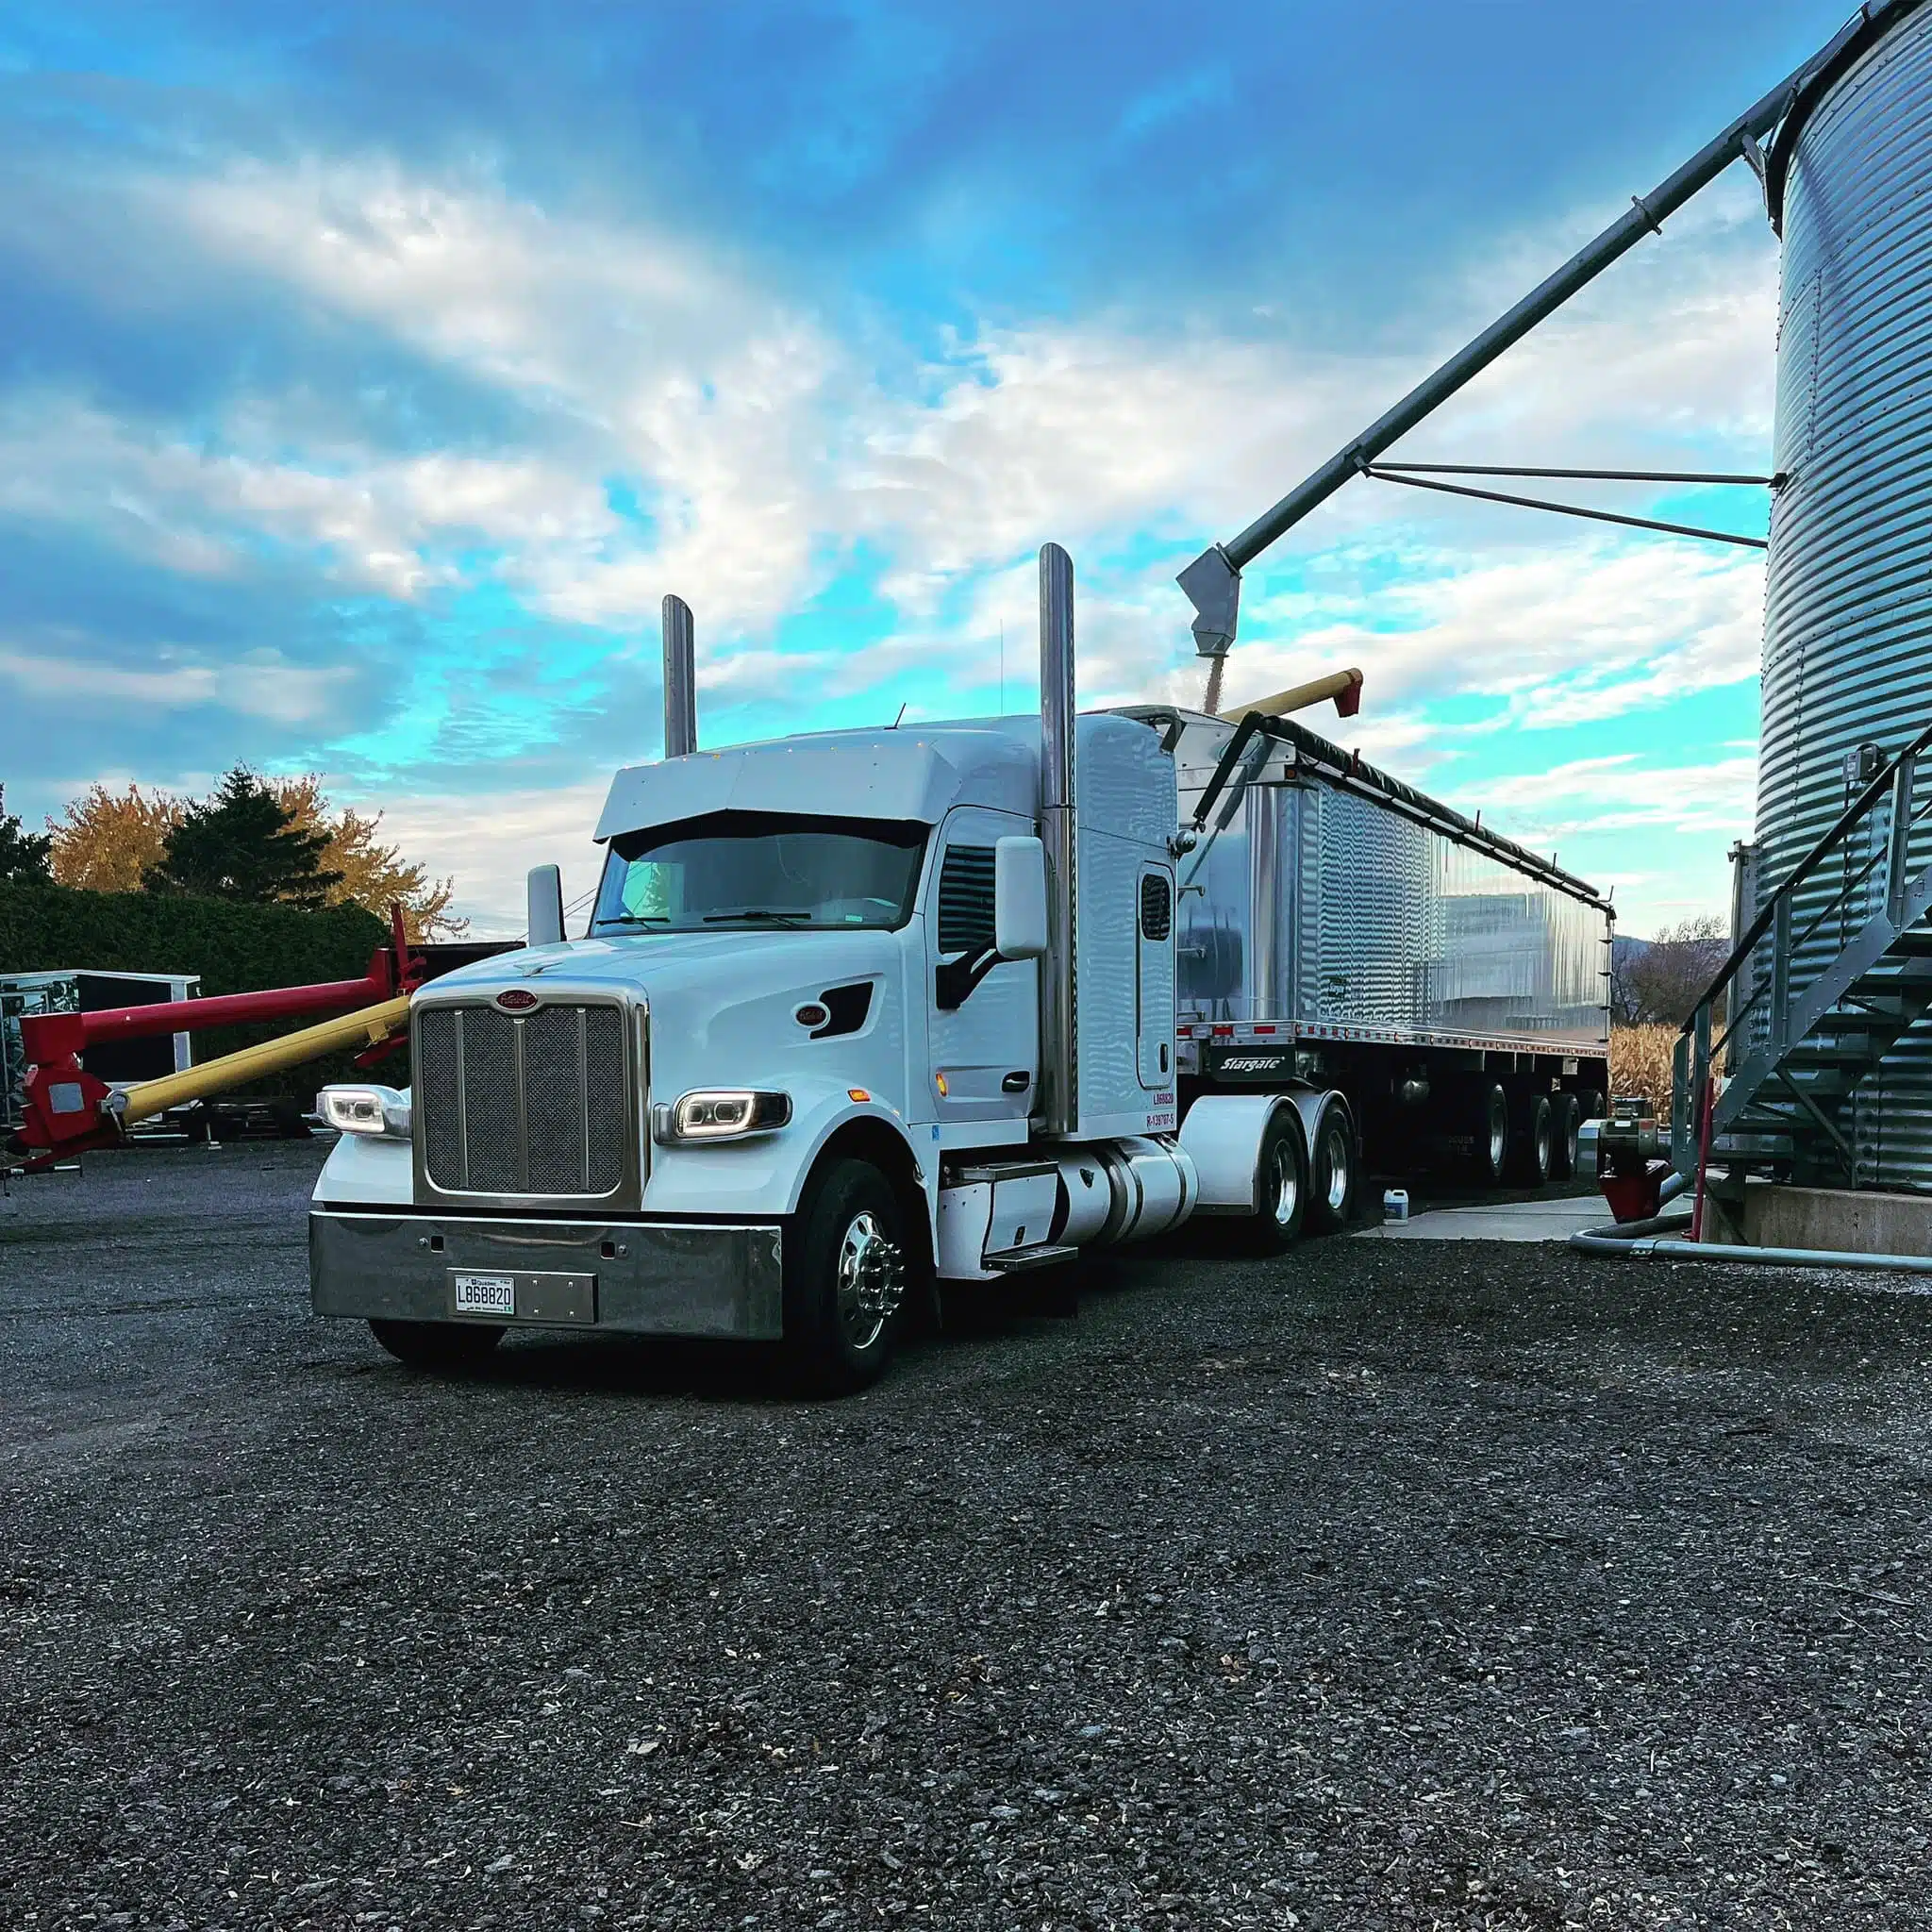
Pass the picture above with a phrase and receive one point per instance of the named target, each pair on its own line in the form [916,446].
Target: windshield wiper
[635,919]
[763,912]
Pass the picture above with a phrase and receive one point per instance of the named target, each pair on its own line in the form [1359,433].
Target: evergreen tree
[23,853]
[241,842]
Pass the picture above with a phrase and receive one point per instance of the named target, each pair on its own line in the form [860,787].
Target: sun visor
[899,774]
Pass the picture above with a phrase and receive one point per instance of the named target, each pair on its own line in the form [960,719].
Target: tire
[845,1268]
[1281,1187]
[1568,1117]
[1532,1156]
[1593,1106]
[1334,1174]
[438,1345]
[1488,1134]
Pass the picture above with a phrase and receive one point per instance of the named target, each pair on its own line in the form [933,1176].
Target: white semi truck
[861,1013]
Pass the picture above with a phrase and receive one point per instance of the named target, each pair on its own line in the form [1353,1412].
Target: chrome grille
[525,1103]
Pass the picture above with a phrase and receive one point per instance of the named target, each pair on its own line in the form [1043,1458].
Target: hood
[721,1003]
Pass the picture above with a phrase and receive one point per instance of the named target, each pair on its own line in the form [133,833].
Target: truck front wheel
[846,1279]
[437,1344]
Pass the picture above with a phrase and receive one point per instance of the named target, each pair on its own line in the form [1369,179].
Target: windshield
[753,869]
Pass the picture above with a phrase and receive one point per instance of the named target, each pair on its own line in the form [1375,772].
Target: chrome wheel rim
[1338,1170]
[1499,1137]
[1286,1185]
[871,1279]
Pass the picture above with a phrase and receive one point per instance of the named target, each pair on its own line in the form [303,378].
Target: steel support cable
[1584,475]
[1384,475]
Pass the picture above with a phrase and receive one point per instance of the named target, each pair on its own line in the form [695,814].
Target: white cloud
[261,684]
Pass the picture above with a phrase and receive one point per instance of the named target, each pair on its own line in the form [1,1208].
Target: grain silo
[1848,611]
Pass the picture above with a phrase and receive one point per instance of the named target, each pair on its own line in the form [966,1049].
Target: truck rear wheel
[438,1345]
[845,1280]
[1281,1187]
[1488,1134]
[1332,1173]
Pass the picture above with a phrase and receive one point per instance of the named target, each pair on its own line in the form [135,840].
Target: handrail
[1803,870]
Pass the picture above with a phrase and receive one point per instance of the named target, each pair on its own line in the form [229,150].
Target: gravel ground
[1394,1585]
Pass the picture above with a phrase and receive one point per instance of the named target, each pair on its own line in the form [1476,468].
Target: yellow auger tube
[369,1027]
[1297,697]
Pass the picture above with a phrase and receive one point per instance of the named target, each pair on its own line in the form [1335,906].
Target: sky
[369,373]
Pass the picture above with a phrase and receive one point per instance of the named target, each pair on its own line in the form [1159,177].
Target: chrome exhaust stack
[1058,1019]
[680,680]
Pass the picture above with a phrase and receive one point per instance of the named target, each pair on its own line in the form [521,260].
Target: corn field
[1641,1063]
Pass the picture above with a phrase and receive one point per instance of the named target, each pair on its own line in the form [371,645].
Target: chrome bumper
[633,1277]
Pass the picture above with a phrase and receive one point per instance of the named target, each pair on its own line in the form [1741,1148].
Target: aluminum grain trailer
[1341,931]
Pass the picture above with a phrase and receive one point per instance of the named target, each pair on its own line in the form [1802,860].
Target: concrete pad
[1513,1221]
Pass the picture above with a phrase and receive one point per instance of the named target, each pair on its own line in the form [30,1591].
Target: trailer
[860,1013]
[1340,930]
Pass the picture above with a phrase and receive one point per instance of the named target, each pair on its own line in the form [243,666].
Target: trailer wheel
[845,1280]
[1333,1173]
[1489,1133]
[438,1345]
[1534,1155]
[1567,1117]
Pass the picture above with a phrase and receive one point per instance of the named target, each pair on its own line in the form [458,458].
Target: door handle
[1016,1083]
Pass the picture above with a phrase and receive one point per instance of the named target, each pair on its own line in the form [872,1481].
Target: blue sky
[369,373]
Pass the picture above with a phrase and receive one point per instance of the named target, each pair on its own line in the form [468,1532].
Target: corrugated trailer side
[1339,928]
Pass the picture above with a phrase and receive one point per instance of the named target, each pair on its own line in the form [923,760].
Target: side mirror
[545,888]
[1019,898]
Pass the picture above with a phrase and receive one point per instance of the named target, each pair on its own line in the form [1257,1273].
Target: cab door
[982,1019]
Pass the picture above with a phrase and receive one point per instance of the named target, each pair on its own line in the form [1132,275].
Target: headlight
[726,1113]
[379,1111]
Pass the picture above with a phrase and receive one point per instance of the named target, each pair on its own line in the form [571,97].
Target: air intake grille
[966,899]
[535,1103]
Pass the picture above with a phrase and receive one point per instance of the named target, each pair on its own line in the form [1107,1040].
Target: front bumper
[633,1277]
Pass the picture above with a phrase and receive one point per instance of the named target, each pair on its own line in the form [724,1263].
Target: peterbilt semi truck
[859,1013]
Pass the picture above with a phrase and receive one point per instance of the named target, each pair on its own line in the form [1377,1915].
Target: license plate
[486,1294]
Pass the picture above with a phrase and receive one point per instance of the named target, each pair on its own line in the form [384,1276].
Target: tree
[106,841]
[241,842]
[23,853]
[372,875]
[1663,981]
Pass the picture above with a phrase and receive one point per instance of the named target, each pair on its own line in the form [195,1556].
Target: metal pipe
[1059,1057]
[1603,1241]
[680,680]
[1344,687]
[46,1037]
[1213,581]
[369,1027]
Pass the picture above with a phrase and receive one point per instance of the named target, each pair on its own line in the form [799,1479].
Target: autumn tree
[23,853]
[110,841]
[241,842]
[106,841]
[372,873]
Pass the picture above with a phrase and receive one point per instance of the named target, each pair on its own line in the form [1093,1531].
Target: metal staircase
[1795,1054]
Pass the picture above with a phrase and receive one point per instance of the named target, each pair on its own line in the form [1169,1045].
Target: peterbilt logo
[516,999]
